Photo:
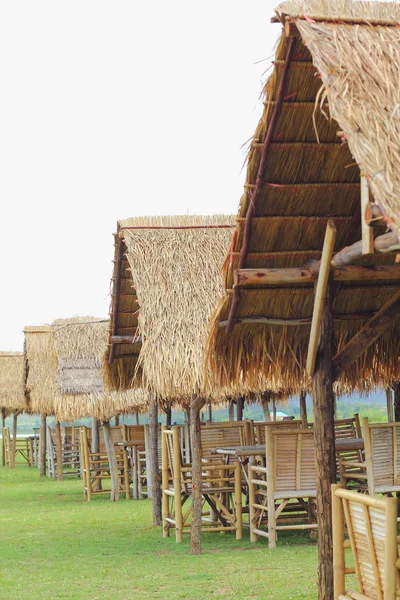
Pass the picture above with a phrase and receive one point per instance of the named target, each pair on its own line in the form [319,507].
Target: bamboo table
[244,453]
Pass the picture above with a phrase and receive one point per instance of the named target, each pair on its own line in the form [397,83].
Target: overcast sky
[110,110]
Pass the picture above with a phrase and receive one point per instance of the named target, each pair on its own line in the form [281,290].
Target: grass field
[55,545]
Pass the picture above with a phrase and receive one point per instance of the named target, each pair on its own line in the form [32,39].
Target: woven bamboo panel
[365,521]
[216,436]
[260,428]
[385,455]
[294,460]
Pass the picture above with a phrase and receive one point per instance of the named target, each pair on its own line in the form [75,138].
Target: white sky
[110,110]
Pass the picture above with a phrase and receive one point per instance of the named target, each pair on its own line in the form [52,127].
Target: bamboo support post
[303,407]
[164,482]
[153,455]
[112,461]
[3,446]
[231,410]
[197,505]
[42,445]
[324,436]
[177,486]
[389,404]
[391,550]
[396,401]
[59,453]
[14,440]
[322,283]
[367,233]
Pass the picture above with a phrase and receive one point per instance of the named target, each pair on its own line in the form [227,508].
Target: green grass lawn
[53,544]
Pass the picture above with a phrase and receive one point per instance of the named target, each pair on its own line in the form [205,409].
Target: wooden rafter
[260,176]
[260,277]
[367,335]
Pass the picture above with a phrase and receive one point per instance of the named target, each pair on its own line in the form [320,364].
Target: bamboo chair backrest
[70,434]
[174,454]
[372,529]
[219,435]
[7,445]
[260,427]
[290,459]
[382,455]
[348,428]
[133,433]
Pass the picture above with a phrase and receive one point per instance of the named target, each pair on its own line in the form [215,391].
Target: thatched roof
[12,389]
[64,374]
[174,264]
[313,174]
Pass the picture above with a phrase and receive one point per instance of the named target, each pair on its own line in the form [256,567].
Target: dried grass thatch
[12,385]
[41,367]
[343,10]
[65,371]
[311,176]
[175,267]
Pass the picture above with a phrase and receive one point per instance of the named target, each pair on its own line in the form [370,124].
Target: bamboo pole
[164,482]
[14,440]
[367,233]
[303,407]
[389,404]
[232,410]
[42,445]
[153,456]
[112,461]
[95,447]
[338,543]
[239,409]
[391,550]
[195,433]
[59,453]
[273,410]
[177,486]
[3,445]
[322,283]
[265,405]
[396,401]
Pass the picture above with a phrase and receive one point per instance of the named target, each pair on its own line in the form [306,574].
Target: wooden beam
[250,277]
[296,322]
[367,234]
[125,339]
[389,242]
[251,209]
[367,335]
[320,292]
[116,291]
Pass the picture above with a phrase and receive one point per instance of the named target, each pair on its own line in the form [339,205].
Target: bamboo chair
[96,469]
[137,458]
[70,454]
[221,492]
[7,445]
[21,447]
[260,427]
[229,434]
[282,494]
[380,471]
[348,428]
[372,530]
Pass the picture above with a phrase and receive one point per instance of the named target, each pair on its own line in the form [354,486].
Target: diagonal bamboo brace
[323,277]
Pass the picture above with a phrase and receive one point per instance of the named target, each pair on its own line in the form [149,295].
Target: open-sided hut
[159,326]
[12,390]
[64,374]
[326,145]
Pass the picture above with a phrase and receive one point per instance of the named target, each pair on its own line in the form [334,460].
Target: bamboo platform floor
[54,545]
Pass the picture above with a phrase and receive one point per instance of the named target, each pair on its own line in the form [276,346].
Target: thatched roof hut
[330,114]
[12,388]
[64,371]
[174,265]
